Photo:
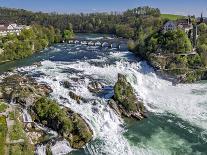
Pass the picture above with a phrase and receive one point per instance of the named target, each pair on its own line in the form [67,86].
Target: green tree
[202,50]
[68,34]
[202,28]
[124,31]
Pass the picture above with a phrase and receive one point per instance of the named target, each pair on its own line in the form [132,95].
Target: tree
[202,50]
[175,41]
[68,34]
[29,41]
[124,31]
[202,28]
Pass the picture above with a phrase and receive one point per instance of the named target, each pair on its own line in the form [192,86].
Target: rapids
[177,122]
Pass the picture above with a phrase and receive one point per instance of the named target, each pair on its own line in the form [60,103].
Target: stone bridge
[110,43]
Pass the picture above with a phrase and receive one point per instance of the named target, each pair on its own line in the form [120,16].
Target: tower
[195,35]
[201,19]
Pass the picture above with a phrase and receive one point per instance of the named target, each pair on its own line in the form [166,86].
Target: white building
[12,28]
[184,24]
[170,25]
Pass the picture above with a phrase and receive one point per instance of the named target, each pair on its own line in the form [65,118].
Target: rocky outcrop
[66,84]
[124,102]
[22,90]
[76,97]
[26,92]
[95,87]
[68,124]
[81,133]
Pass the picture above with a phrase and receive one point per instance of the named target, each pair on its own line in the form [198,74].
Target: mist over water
[177,122]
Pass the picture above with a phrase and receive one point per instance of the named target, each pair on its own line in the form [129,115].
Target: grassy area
[21,149]
[3,107]
[17,131]
[171,16]
[11,115]
[3,132]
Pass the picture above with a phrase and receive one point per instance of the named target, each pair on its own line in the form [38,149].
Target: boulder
[66,84]
[76,97]
[124,102]
[95,87]
[81,133]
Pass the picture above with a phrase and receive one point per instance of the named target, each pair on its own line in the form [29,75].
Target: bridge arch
[91,43]
[122,46]
[114,45]
[105,44]
[98,43]
[76,41]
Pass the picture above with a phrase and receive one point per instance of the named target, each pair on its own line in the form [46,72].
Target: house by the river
[12,28]
[184,24]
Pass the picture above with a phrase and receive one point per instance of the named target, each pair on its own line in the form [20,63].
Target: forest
[31,40]
[129,24]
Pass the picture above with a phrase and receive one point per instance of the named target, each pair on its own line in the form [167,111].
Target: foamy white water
[105,124]
[41,150]
[159,96]
[61,148]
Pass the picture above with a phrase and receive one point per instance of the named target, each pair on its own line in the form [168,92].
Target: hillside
[171,16]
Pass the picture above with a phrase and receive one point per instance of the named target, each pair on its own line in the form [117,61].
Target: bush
[3,107]
[3,132]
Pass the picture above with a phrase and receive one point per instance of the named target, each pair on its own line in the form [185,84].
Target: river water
[177,122]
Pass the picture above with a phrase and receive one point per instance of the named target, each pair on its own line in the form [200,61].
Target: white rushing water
[187,102]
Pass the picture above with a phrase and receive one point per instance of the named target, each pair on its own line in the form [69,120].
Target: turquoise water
[167,135]
[177,122]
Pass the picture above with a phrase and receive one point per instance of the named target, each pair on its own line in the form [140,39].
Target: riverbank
[31,41]
[168,67]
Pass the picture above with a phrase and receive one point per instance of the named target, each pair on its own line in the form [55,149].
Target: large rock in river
[67,123]
[95,87]
[125,101]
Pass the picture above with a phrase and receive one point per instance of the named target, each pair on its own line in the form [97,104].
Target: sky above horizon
[182,7]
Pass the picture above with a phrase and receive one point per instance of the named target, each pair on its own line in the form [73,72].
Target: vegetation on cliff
[125,101]
[124,94]
[172,52]
[67,123]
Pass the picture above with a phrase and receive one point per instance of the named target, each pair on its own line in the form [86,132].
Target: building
[169,26]
[201,19]
[12,28]
[184,24]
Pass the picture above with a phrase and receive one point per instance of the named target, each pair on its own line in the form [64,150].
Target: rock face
[22,90]
[124,101]
[81,133]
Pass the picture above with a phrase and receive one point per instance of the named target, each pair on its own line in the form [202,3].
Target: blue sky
[184,7]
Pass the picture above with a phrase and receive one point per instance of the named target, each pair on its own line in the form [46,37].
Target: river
[177,122]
